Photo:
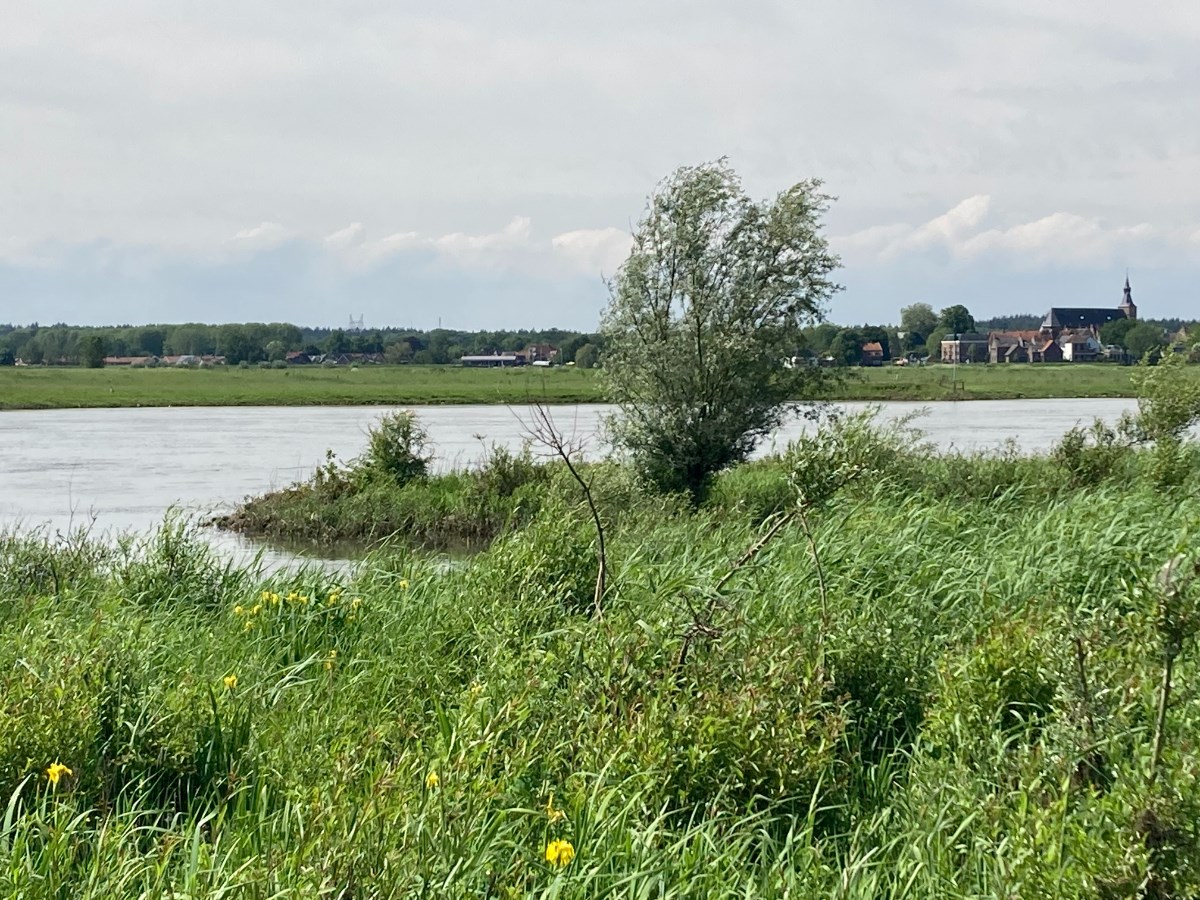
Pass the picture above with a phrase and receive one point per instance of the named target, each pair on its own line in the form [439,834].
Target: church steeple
[1127,305]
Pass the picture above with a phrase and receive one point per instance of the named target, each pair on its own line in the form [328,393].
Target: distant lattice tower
[356,325]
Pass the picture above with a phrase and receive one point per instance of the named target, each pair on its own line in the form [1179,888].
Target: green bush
[1091,456]
[551,562]
[883,683]
[397,449]
[1005,684]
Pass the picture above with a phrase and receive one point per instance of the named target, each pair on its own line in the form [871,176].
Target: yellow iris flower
[559,853]
[55,771]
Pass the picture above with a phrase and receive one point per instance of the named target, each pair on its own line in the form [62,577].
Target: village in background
[924,336]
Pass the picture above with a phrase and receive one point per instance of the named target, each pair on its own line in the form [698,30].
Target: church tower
[1127,305]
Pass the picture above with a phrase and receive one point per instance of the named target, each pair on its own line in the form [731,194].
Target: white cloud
[594,250]
[263,236]
[350,236]
[487,250]
[948,229]
[515,247]
[1060,238]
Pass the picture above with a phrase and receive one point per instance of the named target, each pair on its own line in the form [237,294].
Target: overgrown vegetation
[973,677]
[857,669]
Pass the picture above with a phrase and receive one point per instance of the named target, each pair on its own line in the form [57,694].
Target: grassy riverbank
[985,382]
[53,388]
[941,682]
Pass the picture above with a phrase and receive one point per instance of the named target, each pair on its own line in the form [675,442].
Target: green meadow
[58,388]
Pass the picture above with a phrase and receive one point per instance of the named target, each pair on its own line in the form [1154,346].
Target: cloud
[487,250]
[982,137]
[1060,238]
[594,250]
[950,228]
[350,236]
[263,236]
[20,252]
[514,248]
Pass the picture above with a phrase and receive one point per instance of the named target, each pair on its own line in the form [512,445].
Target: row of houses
[1067,334]
[1028,347]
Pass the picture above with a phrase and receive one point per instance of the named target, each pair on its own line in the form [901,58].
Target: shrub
[847,448]
[397,449]
[1091,456]
[551,561]
[752,731]
[882,682]
[1003,685]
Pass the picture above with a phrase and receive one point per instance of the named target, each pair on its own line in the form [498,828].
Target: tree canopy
[919,318]
[711,301]
[956,319]
[1142,338]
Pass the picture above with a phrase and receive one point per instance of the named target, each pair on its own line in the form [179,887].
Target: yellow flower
[334,596]
[431,780]
[559,853]
[356,603]
[239,610]
[230,681]
[274,599]
[56,771]
[330,660]
[404,584]
[476,689]
[554,815]
[256,609]
[292,596]
[249,625]
[265,596]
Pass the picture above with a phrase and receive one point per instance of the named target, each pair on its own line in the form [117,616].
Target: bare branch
[542,429]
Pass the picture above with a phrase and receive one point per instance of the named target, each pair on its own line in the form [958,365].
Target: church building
[1084,318]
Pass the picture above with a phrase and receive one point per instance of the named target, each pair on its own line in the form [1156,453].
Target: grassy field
[944,681]
[983,382]
[50,388]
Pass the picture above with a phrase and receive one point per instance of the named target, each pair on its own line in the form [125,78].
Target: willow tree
[704,317]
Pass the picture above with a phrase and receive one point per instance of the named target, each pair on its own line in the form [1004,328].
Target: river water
[123,468]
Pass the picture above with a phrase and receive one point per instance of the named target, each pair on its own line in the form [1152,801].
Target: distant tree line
[255,342]
[919,333]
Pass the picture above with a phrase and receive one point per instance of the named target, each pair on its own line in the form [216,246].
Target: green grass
[985,382]
[958,703]
[53,388]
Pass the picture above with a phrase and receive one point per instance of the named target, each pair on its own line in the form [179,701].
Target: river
[121,469]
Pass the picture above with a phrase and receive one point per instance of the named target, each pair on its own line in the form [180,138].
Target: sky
[480,165]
